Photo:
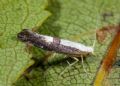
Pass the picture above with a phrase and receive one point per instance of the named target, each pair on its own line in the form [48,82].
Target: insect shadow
[45,65]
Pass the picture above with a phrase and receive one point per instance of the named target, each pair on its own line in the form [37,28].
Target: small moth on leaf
[54,44]
[72,49]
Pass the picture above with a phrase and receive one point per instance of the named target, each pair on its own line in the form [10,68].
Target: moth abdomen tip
[23,35]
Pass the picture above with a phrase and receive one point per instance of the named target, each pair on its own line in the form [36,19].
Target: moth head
[24,35]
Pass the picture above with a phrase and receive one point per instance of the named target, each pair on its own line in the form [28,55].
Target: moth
[73,49]
[54,44]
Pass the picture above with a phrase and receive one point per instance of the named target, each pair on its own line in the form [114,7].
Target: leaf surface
[15,16]
[75,20]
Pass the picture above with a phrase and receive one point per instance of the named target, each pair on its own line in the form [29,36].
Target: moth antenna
[93,46]
[94,42]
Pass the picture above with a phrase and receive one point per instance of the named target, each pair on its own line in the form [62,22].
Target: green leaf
[16,15]
[75,20]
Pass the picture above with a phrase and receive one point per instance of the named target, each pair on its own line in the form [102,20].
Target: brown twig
[109,59]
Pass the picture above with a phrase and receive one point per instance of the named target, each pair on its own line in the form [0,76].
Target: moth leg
[70,65]
[88,74]
[28,47]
